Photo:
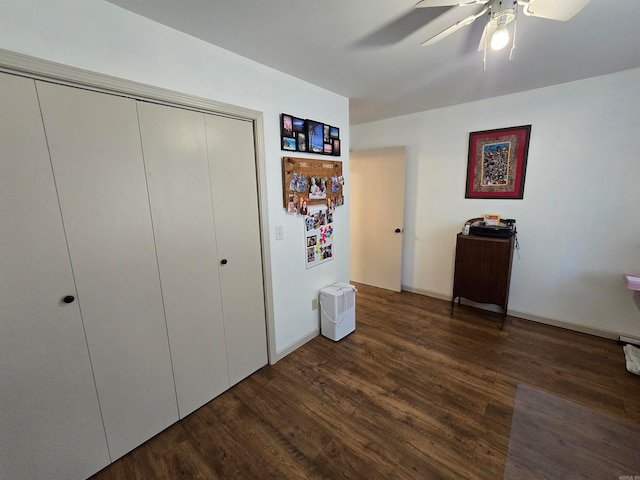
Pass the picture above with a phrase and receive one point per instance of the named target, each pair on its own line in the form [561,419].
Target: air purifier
[337,310]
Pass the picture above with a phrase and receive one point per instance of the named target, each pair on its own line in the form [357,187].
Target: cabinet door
[175,155]
[50,425]
[230,145]
[482,269]
[94,142]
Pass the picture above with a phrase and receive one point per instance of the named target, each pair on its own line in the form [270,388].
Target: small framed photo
[326,133]
[315,137]
[328,149]
[288,143]
[286,125]
[301,141]
[298,124]
[336,147]
[334,132]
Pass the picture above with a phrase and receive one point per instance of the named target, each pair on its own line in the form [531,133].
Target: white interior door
[377,209]
[230,145]
[50,425]
[175,154]
[94,143]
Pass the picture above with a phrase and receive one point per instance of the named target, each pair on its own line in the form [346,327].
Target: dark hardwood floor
[411,394]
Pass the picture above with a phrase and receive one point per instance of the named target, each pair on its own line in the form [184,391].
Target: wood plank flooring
[411,394]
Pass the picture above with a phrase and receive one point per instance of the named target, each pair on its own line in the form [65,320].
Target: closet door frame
[38,69]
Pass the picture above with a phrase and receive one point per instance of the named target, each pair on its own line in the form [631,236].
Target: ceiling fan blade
[454,28]
[553,9]
[448,3]
[448,31]
[486,35]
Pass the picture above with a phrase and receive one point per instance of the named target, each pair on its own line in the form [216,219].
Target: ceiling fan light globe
[499,39]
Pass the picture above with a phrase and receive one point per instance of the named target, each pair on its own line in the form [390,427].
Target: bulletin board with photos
[309,182]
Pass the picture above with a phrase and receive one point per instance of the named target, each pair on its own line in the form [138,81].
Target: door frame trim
[38,69]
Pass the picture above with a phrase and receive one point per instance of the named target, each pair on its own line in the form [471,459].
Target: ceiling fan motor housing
[502,12]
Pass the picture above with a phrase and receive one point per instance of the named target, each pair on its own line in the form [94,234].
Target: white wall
[100,37]
[578,224]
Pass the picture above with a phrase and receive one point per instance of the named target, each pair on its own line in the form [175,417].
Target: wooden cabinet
[483,270]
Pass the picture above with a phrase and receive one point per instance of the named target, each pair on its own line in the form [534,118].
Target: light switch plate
[279,232]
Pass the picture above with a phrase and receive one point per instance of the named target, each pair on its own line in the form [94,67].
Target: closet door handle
[223,261]
[68,299]
[398,230]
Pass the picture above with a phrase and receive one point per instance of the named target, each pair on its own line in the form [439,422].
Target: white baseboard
[280,354]
[598,332]
[576,327]
[426,293]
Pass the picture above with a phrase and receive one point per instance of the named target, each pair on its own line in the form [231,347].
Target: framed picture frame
[315,137]
[336,146]
[289,143]
[299,125]
[286,125]
[334,133]
[497,163]
[301,141]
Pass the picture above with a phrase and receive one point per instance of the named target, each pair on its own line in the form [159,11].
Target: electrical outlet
[314,304]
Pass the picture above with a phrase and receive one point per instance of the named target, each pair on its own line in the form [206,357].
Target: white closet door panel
[50,425]
[95,149]
[235,199]
[175,155]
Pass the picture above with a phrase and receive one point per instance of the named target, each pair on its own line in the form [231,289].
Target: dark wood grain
[483,270]
[411,394]
[549,440]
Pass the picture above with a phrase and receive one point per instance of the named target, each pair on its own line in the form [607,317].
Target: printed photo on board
[317,188]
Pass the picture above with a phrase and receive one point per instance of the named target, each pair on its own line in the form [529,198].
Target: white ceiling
[369,50]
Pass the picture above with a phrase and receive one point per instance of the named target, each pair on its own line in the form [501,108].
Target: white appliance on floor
[337,310]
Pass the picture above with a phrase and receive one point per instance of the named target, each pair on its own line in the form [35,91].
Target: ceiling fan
[500,14]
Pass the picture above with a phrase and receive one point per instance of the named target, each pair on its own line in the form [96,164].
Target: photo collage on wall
[300,135]
[319,236]
[313,189]
[306,190]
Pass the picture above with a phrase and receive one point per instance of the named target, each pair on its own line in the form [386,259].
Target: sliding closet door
[175,155]
[50,424]
[235,200]
[96,154]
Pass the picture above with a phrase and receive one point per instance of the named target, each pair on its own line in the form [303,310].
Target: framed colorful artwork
[497,163]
